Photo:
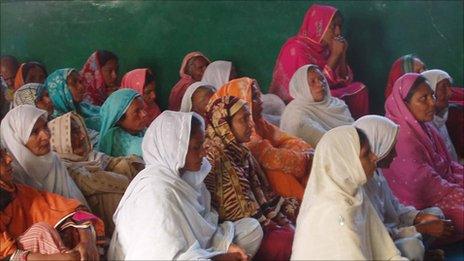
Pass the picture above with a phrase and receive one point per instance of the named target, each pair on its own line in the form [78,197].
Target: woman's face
[149,95]
[241,125]
[6,170]
[422,103]
[334,29]
[316,85]
[387,160]
[39,140]
[45,103]
[197,67]
[110,75]
[134,119]
[76,87]
[195,152]
[257,106]
[78,136]
[442,95]
[418,65]
[35,75]
[368,159]
[200,99]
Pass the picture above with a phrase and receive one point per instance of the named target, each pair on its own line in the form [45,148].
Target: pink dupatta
[93,81]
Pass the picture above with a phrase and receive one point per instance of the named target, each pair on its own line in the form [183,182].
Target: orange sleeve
[7,244]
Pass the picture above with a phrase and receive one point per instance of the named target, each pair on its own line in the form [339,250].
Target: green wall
[157,34]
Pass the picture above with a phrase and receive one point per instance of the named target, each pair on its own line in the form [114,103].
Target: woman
[25,135]
[123,120]
[102,179]
[99,76]
[314,111]
[405,64]
[192,69]
[38,225]
[165,213]
[440,82]
[320,42]
[238,187]
[218,73]
[337,221]
[423,174]
[30,72]
[67,93]
[404,223]
[196,98]
[143,82]
[285,159]
[34,94]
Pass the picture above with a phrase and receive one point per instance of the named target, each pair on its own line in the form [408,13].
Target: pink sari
[178,91]
[93,81]
[135,80]
[306,48]
[423,174]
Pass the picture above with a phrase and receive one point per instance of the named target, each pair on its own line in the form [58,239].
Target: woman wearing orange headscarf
[285,159]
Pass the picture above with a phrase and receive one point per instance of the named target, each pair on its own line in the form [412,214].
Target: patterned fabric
[238,187]
[41,238]
[63,102]
[28,94]
[93,81]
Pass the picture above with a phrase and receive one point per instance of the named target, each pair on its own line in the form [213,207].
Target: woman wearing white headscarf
[440,82]
[337,220]
[41,169]
[196,97]
[218,73]
[404,223]
[166,212]
[313,111]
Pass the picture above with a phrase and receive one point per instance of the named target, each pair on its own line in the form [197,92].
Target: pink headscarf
[423,173]
[93,81]
[177,92]
[135,80]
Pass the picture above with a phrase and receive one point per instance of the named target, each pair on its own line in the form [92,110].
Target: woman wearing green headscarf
[122,124]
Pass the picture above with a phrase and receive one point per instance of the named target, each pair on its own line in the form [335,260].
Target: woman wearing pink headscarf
[193,66]
[143,82]
[320,42]
[423,174]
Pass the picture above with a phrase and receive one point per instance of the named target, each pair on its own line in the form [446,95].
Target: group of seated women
[92,168]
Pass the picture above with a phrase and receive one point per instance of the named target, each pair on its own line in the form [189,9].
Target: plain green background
[158,34]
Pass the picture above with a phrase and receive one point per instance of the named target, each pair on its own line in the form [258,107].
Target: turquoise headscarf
[111,111]
[62,99]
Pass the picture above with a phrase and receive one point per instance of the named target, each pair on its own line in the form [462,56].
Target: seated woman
[9,65]
[143,82]
[30,72]
[123,124]
[166,213]
[38,225]
[34,94]
[404,223]
[99,76]
[423,174]
[238,187]
[337,221]
[320,42]
[192,69]
[25,135]
[219,73]
[314,111]
[286,160]
[196,98]
[440,82]
[102,179]
[405,64]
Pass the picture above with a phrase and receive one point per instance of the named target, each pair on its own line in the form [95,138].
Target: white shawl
[217,73]
[45,172]
[307,119]
[336,220]
[186,105]
[434,77]
[162,216]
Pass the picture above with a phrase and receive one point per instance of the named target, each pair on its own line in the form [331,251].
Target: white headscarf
[322,116]
[41,172]
[163,216]
[186,105]
[217,73]
[336,219]
[434,77]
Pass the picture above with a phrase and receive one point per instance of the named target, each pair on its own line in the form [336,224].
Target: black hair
[29,65]
[104,56]
[420,80]
[195,125]
[149,77]
[363,140]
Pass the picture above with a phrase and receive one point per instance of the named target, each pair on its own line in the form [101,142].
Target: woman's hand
[87,247]
[423,217]
[233,248]
[436,228]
